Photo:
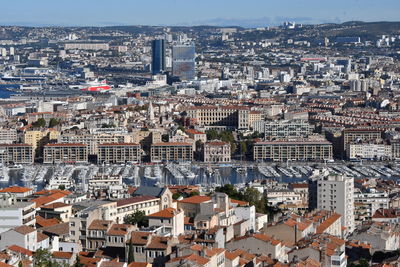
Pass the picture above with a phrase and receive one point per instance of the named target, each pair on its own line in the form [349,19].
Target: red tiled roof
[165,213]
[20,250]
[15,189]
[195,199]
[62,255]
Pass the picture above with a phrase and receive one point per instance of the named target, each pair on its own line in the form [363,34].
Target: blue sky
[248,13]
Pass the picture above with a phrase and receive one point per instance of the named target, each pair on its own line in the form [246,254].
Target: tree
[176,195]
[61,187]
[43,258]
[78,262]
[212,134]
[194,193]
[53,122]
[137,218]
[130,253]
[40,123]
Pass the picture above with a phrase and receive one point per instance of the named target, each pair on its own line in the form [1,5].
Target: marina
[78,177]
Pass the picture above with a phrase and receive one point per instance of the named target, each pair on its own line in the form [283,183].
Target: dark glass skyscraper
[158,56]
[183,61]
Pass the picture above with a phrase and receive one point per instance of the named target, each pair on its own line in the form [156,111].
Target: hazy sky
[193,12]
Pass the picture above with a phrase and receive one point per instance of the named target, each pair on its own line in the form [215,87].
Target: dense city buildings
[200,146]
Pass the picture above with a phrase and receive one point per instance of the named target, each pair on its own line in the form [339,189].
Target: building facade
[217,152]
[65,153]
[293,150]
[118,153]
[171,152]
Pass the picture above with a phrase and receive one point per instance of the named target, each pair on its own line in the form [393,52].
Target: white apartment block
[15,213]
[336,193]
[368,151]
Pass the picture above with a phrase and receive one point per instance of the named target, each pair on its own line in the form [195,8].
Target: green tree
[43,258]
[130,253]
[78,262]
[212,134]
[53,122]
[176,195]
[194,193]
[40,123]
[61,187]
[137,218]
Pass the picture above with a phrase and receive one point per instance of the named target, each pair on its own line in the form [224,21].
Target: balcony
[25,212]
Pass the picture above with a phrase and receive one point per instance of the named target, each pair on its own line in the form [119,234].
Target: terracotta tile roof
[267,239]
[133,200]
[140,238]
[89,262]
[15,189]
[138,264]
[299,185]
[230,256]
[42,222]
[62,255]
[119,229]
[191,258]
[2,264]
[57,229]
[49,192]
[193,131]
[328,222]
[41,237]
[99,225]
[24,230]
[213,251]
[4,256]
[386,214]
[165,213]
[158,242]
[239,202]
[20,250]
[195,199]
[40,201]
[55,205]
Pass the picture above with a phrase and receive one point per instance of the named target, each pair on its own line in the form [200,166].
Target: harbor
[78,177]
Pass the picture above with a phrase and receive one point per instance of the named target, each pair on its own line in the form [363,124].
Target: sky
[246,13]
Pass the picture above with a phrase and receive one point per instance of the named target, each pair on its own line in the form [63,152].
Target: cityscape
[134,145]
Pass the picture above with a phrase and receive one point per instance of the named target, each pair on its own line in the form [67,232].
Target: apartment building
[363,150]
[283,129]
[119,153]
[293,150]
[87,213]
[34,137]
[16,153]
[360,135]
[8,136]
[94,140]
[147,204]
[65,153]
[336,193]
[15,213]
[232,117]
[171,152]
[217,152]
